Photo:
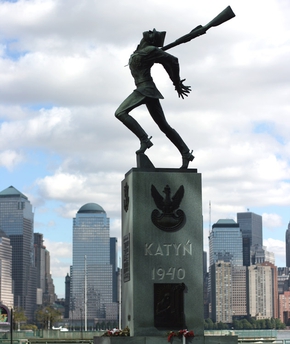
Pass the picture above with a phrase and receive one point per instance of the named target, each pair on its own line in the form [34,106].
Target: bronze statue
[140,63]
[150,51]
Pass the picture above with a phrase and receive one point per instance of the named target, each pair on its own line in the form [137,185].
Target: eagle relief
[169,217]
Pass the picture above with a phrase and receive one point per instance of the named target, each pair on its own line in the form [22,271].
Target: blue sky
[62,76]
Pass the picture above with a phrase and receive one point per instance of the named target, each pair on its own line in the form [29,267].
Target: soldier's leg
[122,113]
[156,112]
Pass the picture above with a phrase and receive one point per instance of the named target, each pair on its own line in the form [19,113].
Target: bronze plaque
[169,306]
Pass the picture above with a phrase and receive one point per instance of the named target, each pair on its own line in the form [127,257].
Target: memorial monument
[162,231]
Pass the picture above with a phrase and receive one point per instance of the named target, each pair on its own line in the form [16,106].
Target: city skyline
[63,76]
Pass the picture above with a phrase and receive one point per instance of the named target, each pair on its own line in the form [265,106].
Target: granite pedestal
[162,253]
[162,284]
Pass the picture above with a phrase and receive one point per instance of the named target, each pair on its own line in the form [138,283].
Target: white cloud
[9,159]
[272,220]
[60,258]
[278,248]
[59,249]
[100,188]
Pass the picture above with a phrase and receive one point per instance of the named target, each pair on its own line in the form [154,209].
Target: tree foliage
[246,324]
[18,317]
[47,316]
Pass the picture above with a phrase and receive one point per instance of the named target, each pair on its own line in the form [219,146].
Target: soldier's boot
[186,155]
[136,128]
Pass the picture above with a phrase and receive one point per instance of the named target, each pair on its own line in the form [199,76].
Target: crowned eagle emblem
[169,217]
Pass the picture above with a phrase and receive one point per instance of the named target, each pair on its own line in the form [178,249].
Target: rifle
[225,15]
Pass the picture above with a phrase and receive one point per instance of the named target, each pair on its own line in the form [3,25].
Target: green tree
[29,327]
[222,326]
[47,316]
[279,325]
[262,323]
[210,324]
[237,325]
[18,317]
[246,325]
[273,323]
[268,324]
[253,322]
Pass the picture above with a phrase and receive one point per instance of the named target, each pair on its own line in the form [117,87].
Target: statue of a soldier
[147,53]
[150,51]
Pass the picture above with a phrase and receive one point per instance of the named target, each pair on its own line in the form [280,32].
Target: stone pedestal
[162,244]
[162,234]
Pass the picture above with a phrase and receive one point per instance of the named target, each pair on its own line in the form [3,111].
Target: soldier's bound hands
[182,90]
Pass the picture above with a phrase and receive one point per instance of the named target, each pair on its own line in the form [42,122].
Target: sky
[63,74]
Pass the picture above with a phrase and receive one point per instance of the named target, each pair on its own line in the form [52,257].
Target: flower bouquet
[181,333]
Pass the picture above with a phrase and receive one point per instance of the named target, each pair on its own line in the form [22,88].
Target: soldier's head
[154,37]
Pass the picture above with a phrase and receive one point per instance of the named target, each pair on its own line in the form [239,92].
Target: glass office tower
[16,220]
[226,243]
[91,296]
[252,229]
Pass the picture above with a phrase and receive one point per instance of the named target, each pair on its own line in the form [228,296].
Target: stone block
[162,234]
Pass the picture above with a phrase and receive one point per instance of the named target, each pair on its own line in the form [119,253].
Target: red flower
[189,334]
[170,336]
[180,333]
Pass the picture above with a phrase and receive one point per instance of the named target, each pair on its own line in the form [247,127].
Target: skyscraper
[226,253]
[251,227]
[16,220]
[239,283]
[225,243]
[274,287]
[67,296]
[39,259]
[44,281]
[260,291]
[222,299]
[6,295]
[287,241]
[92,271]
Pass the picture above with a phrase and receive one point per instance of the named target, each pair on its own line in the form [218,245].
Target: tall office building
[221,286]
[44,281]
[39,259]
[251,227]
[274,271]
[225,253]
[91,297]
[283,279]
[287,241]
[49,296]
[260,291]
[284,307]
[16,220]
[6,295]
[67,296]
[225,243]
[239,291]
